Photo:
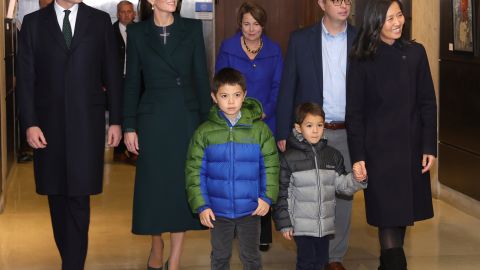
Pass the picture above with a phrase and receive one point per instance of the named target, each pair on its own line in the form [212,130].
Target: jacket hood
[297,141]
[251,111]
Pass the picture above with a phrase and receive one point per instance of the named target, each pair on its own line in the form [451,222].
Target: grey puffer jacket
[310,175]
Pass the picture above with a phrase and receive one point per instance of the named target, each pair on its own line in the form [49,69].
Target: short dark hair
[308,108]
[228,76]
[257,12]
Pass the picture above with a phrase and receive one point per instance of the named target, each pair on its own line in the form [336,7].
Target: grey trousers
[339,243]
[247,230]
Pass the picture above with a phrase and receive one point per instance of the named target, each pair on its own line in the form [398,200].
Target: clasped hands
[207,215]
[36,138]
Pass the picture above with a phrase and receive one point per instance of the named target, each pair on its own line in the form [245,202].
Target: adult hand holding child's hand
[359,171]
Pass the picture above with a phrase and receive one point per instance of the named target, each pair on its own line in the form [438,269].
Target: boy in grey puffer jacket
[311,172]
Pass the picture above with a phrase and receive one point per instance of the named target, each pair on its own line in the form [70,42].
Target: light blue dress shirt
[334,61]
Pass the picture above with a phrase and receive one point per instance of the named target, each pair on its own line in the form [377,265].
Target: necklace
[250,50]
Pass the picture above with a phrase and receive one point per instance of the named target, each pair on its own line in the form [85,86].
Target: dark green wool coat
[176,97]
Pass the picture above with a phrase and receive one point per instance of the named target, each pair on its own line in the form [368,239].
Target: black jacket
[302,79]
[310,176]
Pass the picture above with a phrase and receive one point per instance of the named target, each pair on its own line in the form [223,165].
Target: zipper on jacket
[232,166]
[319,191]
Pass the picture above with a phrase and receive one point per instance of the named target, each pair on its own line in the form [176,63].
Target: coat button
[179,82]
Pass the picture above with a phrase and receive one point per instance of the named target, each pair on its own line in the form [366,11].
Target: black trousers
[312,252]
[266,228]
[70,221]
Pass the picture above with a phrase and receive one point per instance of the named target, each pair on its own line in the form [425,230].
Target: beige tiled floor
[449,241]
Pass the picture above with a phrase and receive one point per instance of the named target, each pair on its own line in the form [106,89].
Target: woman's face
[251,29]
[164,5]
[392,28]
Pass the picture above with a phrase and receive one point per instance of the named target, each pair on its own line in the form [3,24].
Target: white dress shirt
[61,14]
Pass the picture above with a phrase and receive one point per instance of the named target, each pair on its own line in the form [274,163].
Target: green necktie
[67,29]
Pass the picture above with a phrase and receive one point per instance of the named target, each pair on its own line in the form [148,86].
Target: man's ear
[297,128]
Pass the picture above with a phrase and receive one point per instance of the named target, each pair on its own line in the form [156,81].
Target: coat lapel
[316,42]
[52,25]
[81,25]
[177,36]
[155,42]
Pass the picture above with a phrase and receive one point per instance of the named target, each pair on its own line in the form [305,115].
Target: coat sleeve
[133,81]
[111,74]
[269,166]
[201,79]
[196,174]
[222,59]
[355,111]
[26,75]
[281,216]
[344,182]
[270,107]
[428,105]
[287,91]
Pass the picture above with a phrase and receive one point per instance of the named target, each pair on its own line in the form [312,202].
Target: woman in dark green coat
[168,51]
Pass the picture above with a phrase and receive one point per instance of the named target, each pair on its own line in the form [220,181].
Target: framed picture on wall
[463,25]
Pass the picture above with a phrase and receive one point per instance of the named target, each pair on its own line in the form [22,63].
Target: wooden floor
[449,241]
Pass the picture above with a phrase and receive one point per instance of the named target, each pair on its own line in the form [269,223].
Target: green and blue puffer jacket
[229,167]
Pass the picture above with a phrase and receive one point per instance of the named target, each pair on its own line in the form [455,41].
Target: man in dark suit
[66,55]
[315,71]
[125,15]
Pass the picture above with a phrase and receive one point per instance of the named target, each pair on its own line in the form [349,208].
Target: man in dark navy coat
[315,71]
[67,55]
[126,15]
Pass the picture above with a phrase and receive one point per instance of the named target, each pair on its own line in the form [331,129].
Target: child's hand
[262,208]
[288,234]
[359,171]
[206,217]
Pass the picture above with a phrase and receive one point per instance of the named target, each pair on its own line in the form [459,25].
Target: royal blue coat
[263,74]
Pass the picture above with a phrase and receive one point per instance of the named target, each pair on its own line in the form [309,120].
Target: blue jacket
[229,167]
[302,79]
[263,74]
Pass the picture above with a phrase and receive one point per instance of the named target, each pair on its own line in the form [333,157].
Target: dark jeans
[70,221]
[312,252]
[247,230]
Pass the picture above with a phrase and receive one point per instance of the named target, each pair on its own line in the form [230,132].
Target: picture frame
[463,25]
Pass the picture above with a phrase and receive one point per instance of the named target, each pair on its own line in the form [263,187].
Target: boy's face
[311,128]
[229,99]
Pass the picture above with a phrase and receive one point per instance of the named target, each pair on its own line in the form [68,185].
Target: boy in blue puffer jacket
[232,171]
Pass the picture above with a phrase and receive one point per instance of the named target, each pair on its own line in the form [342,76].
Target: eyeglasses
[339,2]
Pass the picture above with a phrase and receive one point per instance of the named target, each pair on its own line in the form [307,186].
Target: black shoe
[24,157]
[264,247]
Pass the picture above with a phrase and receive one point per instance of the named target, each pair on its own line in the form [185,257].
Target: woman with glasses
[392,126]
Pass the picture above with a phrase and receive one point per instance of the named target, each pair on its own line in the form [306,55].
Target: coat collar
[155,42]
[233,46]
[81,25]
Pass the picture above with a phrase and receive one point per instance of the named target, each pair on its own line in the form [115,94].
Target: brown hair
[257,12]
[308,108]
[228,76]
